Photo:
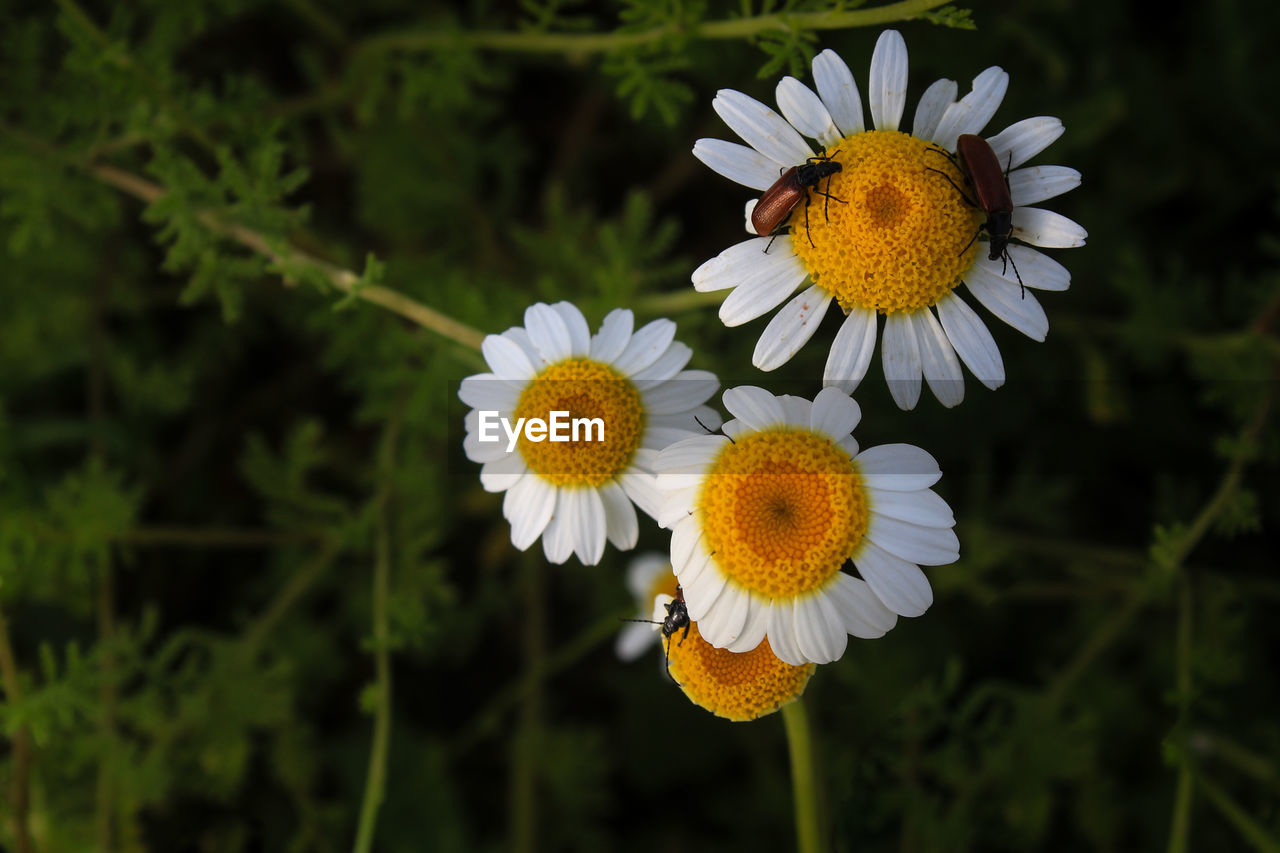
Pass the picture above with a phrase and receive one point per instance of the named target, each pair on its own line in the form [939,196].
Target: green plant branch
[1248,828]
[1218,745]
[342,279]
[376,777]
[20,787]
[299,582]
[1180,823]
[804,777]
[527,741]
[534,41]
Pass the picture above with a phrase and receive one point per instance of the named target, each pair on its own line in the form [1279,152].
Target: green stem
[1250,830]
[376,777]
[580,43]
[676,301]
[528,736]
[804,782]
[1180,824]
[299,582]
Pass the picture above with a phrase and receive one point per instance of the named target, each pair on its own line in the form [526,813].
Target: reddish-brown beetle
[779,200]
[990,183]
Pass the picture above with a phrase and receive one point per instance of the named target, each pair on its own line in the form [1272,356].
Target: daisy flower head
[766,517]
[737,686]
[891,231]
[568,424]
[648,576]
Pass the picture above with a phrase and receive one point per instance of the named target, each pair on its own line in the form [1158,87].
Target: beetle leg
[954,186]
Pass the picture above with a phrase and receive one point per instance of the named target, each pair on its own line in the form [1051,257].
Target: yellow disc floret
[782,511]
[737,686]
[900,236]
[603,425]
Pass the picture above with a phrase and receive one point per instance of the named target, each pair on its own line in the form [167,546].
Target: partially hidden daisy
[766,518]
[568,424]
[648,576]
[738,686]
[896,236]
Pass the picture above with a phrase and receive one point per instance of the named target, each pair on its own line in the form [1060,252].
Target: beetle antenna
[1008,259]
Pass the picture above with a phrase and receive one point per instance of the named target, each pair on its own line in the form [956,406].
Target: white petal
[915,543]
[506,358]
[1016,306]
[686,543]
[745,262]
[1022,140]
[851,350]
[1036,269]
[621,525]
[834,413]
[702,591]
[938,359]
[557,540]
[586,510]
[614,335]
[861,610]
[900,354]
[517,335]
[897,467]
[668,365]
[755,407]
[933,103]
[503,473]
[483,451]
[923,507]
[548,332]
[791,328]
[694,454]
[820,631]
[1037,183]
[972,112]
[972,340]
[633,641]
[839,92]
[679,505]
[900,585]
[646,346]
[796,410]
[738,163]
[1046,228]
[486,391]
[698,564]
[644,571]
[753,629]
[727,619]
[576,324]
[887,90]
[642,489]
[761,128]
[761,293]
[801,107]
[782,633]
[528,505]
[686,392]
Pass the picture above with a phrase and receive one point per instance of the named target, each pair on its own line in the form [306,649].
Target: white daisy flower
[765,517]
[649,578]
[896,235]
[629,393]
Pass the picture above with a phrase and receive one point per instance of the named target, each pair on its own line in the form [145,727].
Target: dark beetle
[677,618]
[779,200]
[990,185]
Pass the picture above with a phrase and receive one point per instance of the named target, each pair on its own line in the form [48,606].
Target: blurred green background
[211,458]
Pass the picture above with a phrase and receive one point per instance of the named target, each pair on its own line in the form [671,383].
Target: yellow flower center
[782,511]
[604,424]
[902,237]
[737,686]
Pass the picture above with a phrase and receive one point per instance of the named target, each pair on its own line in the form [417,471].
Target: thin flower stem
[1248,828]
[19,787]
[662,304]
[1236,755]
[1180,823]
[804,782]
[526,743]
[299,582]
[376,776]
[583,43]
[342,279]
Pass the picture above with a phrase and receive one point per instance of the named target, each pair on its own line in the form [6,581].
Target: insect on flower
[781,199]
[677,617]
[990,184]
